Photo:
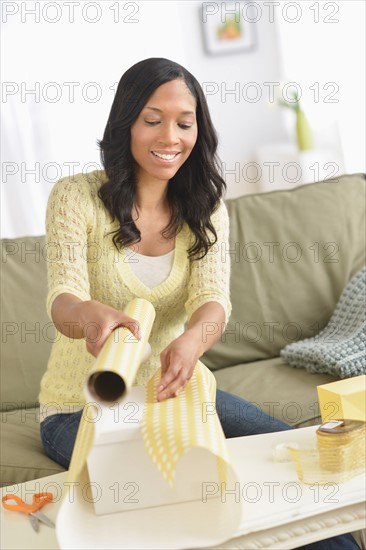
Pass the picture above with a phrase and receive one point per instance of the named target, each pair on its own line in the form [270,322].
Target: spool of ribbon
[338,456]
[341,445]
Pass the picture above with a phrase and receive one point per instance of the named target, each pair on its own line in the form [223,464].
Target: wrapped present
[344,399]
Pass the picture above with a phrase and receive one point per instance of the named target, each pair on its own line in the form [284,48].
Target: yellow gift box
[344,399]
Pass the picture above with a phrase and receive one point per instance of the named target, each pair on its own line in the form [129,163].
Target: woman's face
[165,132]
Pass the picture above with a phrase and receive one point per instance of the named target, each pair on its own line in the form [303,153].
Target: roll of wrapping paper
[117,364]
[113,374]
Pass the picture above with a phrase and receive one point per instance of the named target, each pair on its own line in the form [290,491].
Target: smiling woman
[156,207]
[159,111]
[159,200]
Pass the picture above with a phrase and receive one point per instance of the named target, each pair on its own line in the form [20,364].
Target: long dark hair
[195,190]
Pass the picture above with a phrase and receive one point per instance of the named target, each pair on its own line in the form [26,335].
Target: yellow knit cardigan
[82,260]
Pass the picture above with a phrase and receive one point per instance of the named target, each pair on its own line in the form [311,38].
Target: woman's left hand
[177,365]
[180,357]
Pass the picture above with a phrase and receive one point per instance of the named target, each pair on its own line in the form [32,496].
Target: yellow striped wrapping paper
[169,429]
[173,426]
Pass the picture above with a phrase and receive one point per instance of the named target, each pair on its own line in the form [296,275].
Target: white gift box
[122,475]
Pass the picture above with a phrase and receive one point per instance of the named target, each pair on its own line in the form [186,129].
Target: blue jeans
[238,418]
[58,434]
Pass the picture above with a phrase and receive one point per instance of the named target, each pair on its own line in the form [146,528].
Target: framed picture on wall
[228,27]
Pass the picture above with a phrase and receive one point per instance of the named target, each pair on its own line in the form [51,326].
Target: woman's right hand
[90,320]
[98,321]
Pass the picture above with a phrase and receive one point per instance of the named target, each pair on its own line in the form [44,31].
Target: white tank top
[152,270]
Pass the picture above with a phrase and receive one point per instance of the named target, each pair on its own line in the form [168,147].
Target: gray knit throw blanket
[339,349]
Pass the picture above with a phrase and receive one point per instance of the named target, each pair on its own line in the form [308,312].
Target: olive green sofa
[292,252]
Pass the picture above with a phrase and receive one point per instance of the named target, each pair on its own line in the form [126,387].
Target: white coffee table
[280,512]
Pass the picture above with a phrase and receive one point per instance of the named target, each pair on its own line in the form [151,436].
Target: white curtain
[24,190]
[58,138]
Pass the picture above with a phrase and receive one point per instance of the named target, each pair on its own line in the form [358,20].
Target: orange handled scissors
[32,510]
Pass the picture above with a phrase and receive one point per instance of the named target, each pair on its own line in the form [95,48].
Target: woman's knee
[58,435]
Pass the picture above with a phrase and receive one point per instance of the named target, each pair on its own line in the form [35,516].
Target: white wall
[61,135]
[325,51]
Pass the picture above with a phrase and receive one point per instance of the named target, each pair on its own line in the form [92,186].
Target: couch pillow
[27,332]
[340,348]
[292,253]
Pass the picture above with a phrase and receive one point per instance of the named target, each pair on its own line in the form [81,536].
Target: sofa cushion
[27,333]
[22,456]
[292,253]
[287,394]
[339,349]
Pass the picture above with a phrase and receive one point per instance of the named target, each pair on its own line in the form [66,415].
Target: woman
[144,227]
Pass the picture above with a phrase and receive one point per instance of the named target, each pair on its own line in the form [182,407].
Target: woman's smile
[166,156]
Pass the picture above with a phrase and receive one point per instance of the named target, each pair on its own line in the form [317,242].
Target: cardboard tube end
[106,386]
